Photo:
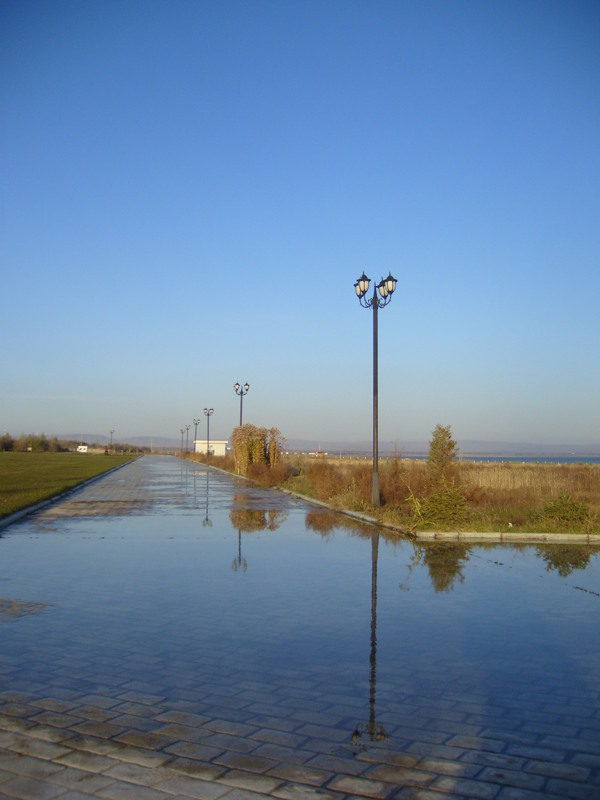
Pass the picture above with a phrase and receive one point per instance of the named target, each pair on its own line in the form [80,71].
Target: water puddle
[296,636]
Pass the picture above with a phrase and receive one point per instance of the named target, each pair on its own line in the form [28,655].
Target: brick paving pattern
[103,727]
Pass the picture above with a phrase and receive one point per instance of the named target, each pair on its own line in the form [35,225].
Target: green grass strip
[29,478]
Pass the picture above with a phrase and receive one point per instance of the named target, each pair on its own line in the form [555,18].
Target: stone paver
[102,726]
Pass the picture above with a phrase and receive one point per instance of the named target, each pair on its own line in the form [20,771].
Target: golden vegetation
[258,446]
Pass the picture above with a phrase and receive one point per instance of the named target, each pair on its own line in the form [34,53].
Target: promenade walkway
[107,688]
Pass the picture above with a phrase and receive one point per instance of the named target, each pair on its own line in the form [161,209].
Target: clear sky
[189,191]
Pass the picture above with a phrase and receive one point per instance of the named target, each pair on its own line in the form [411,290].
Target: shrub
[445,505]
[566,509]
[252,445]
[401,482]
[327,479]
[269,476]
[7,443]
[391,482]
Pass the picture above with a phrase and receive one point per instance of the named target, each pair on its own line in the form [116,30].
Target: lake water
[380,666]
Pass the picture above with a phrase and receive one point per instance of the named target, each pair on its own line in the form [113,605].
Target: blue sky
[191,189]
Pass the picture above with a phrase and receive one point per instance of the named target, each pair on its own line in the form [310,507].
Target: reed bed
[543,479]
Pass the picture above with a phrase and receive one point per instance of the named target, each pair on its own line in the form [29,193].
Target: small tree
[442,452]
[445,503]
[7,442]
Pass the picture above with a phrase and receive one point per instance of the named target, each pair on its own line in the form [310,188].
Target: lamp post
[241,390]
[187,429]
[208,412]
[196,423]
[382,294]
[182,432]
[112,430]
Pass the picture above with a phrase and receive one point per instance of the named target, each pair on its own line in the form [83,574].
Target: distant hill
[387,447]
[466,447]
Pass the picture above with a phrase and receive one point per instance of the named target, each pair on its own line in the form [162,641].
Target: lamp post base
[375,497]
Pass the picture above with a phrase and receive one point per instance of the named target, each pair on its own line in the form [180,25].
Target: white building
[217,446]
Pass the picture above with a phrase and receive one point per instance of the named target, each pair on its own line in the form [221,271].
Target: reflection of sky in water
[158,588]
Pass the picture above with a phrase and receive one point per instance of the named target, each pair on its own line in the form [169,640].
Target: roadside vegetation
[39,443]
[441,492]
[28,477]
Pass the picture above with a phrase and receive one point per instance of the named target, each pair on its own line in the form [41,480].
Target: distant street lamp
[187,428]
[382,294]
[112,430]
[208,413]
[196,423]
[241,390]
[182,432]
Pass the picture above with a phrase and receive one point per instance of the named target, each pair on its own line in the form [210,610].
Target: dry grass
[528,489]
[542,479]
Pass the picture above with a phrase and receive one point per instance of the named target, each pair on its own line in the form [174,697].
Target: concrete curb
[25,512]
[473,537]
[508,538]
[492,537]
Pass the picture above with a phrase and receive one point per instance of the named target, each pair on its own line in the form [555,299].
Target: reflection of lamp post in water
[206,521]
[374,730]
[239,561]
[207,413]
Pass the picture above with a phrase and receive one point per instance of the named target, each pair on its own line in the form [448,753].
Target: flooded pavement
[172,632]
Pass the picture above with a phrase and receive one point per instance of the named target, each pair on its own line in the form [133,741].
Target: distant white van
[82,448]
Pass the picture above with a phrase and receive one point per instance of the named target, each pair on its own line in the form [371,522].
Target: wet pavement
[172,632]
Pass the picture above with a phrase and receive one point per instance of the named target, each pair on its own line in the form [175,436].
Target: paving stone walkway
[90,727]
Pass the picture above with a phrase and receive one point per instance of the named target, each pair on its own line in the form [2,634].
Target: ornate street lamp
[182,432]
[187,430]
[208,412]
[382,294]
[196,423]
[241,390]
